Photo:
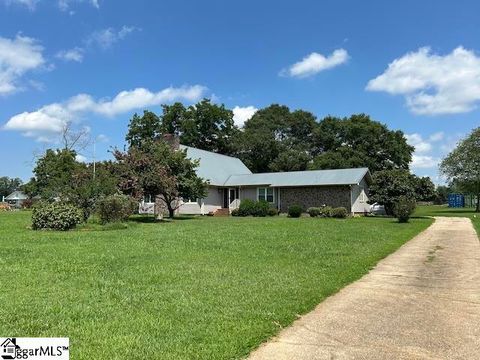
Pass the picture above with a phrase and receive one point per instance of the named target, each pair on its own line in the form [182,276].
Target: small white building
[16,199]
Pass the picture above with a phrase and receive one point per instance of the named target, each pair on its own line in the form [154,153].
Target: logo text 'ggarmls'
[34,348]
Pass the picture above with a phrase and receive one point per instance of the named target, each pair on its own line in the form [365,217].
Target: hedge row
[254,208]
[62,216]
[328,212]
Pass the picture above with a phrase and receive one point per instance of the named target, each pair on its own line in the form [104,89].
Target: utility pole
[94,160]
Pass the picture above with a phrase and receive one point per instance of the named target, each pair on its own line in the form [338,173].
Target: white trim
[279,202]
[266,193]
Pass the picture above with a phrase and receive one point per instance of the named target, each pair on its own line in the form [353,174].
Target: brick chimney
[172,140]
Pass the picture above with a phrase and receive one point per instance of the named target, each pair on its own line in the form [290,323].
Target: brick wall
[315,196]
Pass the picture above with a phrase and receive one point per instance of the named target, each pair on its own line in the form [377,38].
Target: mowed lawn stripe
[201,288]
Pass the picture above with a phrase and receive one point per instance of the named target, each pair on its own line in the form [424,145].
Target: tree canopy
[205,125]
[389,187]
[276,139]
[358,141]
[9,185]
[155,168]
[462,166]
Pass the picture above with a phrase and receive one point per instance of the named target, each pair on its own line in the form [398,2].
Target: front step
[222,212]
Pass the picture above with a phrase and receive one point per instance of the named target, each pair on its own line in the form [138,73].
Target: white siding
[212,202]
[360,197]
[251,193]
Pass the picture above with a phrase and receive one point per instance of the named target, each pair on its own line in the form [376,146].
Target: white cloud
[438,136]
[64,5]
[102,138]
[50,119]
[427,151]
[75,54]
[17,57]
[416,140]
[424,161]
[81,158]
[242,114]
[30,4]
[433,84]
[315,63]
[105,38]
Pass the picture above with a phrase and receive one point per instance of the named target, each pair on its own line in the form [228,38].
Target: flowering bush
[55,216]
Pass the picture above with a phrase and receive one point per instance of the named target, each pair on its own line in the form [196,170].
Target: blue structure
[456,200]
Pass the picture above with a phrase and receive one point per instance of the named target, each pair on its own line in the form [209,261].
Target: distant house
[230,182]
[16,199]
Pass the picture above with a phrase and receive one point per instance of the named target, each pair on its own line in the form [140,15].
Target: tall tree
[390,186]
[424,189]
[156,168]
[358,141]
[276,139]
[74,139]
[9,185]
[462,166]
[204,125]
[54,172]
[143,128]
[173,118]
[86,190]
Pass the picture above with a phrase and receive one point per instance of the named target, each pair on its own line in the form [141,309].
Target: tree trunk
[171,210]
[478,203]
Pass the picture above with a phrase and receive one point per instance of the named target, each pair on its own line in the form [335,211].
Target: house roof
[17,195]
[222,170]
[216,168]
[302,178]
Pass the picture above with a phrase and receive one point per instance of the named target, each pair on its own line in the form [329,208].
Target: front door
[225,199]
[229,195]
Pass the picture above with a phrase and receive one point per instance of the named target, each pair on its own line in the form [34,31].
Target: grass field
[201,288]
[443,210]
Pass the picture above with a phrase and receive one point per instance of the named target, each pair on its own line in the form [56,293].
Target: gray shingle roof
[222,170]
[301,178]
[17,195]
[215,168]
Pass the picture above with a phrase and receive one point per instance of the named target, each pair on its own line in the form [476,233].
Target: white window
[265,194]
[361,197]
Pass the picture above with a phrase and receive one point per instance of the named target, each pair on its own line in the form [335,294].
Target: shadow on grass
[143,219]
[151,219]
[455,211]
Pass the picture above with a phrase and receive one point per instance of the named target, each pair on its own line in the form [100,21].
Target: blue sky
[414,65]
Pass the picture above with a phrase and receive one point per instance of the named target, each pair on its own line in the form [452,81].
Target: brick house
[230,181]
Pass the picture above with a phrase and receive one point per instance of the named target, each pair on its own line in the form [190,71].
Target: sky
[413,65]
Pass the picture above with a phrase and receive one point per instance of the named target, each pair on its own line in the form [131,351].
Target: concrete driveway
[422,302]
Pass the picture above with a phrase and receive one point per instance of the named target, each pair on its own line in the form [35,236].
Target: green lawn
[202,288]
[443,210]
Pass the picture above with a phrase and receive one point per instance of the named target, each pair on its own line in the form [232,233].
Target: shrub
[260,208]
[28,203]
[55,216]
[235,212]
[313,211]
[246,207]
[403,208]
[253,208]
[115,208]
[339,212]
[272,212]
[295,211]
[326,211]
